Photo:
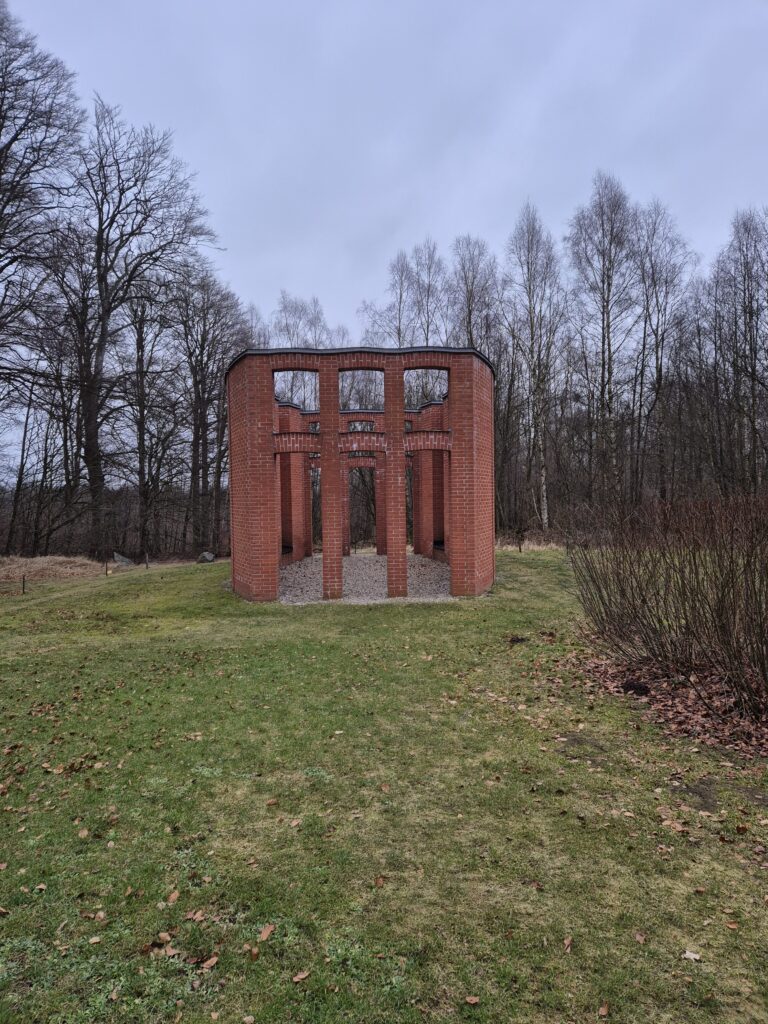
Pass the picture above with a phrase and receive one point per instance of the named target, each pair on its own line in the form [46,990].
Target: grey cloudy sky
[327,134]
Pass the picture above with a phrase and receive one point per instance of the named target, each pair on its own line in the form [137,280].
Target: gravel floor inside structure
[365,580]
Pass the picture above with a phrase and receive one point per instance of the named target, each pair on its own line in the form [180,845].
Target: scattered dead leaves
[700,708]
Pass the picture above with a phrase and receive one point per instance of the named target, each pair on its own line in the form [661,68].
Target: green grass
[450,807]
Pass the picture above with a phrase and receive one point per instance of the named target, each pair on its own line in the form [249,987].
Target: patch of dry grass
[49,567]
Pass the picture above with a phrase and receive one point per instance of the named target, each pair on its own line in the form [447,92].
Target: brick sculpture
[272,447]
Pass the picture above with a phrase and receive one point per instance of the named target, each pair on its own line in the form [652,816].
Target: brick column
[423,510]
[330,481]
[255,503]
[286,496]
[447,503]
[299,483]
[344,485]
[394,425]
[279,499]
[418,540]
[380,498]
[438,527]
[307,471]
[471,512]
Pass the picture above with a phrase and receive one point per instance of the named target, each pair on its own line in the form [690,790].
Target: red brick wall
[452,446]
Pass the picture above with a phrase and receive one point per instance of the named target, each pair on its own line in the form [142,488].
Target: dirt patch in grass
[700,794]
[703,710]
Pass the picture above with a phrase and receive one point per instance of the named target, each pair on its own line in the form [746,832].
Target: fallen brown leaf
[265,932]
[301,976]
[472,1000]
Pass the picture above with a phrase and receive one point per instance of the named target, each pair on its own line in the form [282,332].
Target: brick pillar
[380,498]
[423,507]
[471,513]
[446,503]
[418,539]
[255,499]
[299,482]
[279,500]
[344,485]
[446,457]
[394,421]
[286,517]
[330,481]
[307,471]
[438,530]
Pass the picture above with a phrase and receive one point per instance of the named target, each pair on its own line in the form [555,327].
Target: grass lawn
[422,803]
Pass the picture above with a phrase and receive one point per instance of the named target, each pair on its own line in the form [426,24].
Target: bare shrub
[685,586]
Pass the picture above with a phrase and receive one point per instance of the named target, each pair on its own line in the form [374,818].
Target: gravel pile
[365,580]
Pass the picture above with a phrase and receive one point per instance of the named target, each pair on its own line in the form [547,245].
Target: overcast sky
[327,134]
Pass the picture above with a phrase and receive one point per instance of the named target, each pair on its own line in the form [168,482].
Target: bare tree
[474,290]
[663,265]
[40,122]
[601,245]
[538,311]
[394,322]
[131,212]
[211,327]
[430,295]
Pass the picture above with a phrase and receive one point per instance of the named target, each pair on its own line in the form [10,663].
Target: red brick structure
[272,446]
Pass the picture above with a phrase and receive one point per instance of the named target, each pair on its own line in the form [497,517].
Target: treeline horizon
[624,374]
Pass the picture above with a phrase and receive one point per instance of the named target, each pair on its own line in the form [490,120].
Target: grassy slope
[412,744]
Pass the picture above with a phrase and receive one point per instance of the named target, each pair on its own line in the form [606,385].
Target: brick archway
[272,446]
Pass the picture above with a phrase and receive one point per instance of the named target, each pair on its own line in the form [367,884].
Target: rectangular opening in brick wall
[299,387]
[425,386]
[361,389]
[362,507]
